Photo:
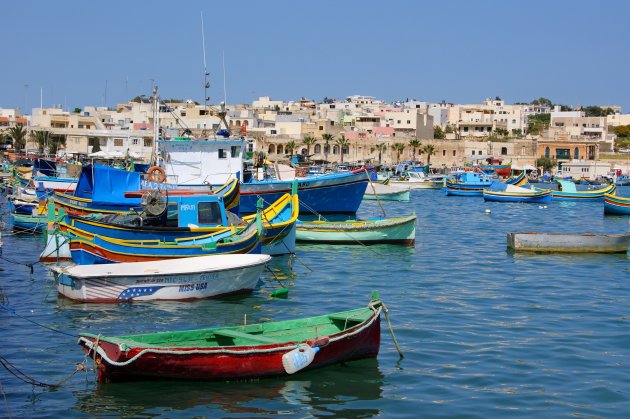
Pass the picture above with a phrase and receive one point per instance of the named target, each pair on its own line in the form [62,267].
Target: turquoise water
[485,333]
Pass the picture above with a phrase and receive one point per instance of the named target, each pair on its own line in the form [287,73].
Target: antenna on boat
[206,83]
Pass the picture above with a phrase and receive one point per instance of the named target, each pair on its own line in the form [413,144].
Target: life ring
[156,174]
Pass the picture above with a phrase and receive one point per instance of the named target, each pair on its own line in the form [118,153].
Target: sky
[97,53]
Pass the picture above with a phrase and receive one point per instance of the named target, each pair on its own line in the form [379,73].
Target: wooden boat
[493,166]
[616,205]
[238,352]
[33,222]
[569,243]
[328,193]
[87,249]
[568,192]
[193,278]
[511,193]
[106,190]
[386,192]
[419,180]
[191,216]
[400,230]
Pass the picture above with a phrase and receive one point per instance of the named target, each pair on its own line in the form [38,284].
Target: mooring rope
[17,373]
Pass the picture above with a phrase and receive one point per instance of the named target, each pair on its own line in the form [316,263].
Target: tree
[290,146]
[55,144]
[95,143]
[543,101]
[429,150]
[449,129]
[343,143]
[308,141]
[546,163]
[77,110]
[18,135]
[438,134]
[597,111]
[414,144]
[537,123]
[42,138]
[502,132]
[621,131]
[381,148]
[327,139]
[398,148]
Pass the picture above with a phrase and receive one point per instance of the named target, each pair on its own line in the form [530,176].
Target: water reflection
[332,390]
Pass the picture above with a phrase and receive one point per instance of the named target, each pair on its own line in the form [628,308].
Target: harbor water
[485,332]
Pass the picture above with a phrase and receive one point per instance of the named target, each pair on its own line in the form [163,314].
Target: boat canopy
[104,184]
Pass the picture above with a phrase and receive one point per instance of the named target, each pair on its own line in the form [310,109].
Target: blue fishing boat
[167,219]
[503,192]
[616,205]
[473,183]
[568,192]
[108,190]
[87,249]
[329,193]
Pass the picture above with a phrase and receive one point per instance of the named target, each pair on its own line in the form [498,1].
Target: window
[235,151]
[183,113]
[202,112]
[504,151]
[209,213]
[148,142]
[576,153]
[118,142]
[222,153]
[547,152]
[321,127]
[563,153]
[335,149]
[318,148]
[454,153]
[443,152]
[408,122]
[473,152]
[465,129]
[272,149]
[135,141]
[273,132]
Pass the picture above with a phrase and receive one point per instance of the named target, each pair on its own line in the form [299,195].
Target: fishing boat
[473,183]
[28,222]
[251,351]
[169,218]
[616,205]
[399,230]
[87,249]
[329,193]
[569,243]
[181,279]
[386,192]
[419,180]
[493,166]
[502,192]
[568,192]
[107,190]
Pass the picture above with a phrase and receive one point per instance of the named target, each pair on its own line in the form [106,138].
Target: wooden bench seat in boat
[242,335]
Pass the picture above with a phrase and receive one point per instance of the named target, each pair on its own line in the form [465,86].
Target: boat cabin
[195,211]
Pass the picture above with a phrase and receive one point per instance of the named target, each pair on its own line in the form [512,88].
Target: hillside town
[358,130]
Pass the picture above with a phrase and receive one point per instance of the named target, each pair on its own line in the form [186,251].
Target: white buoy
[488,211]
[545,207]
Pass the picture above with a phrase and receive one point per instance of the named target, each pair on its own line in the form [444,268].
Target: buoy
[545,206]
[488,211]
[280,293]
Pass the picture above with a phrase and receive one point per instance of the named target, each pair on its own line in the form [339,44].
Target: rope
[28,265]
[98,350]
[15,371]
[375,194]
[391,330]
[12,311]
[6,402]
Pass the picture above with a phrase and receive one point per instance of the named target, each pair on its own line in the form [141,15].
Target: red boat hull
[228,363]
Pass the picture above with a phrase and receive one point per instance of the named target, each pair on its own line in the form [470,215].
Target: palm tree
[42,138]
[398,148]
[429,150]
[381,148]
[55,144]
[308,141]
[290,146]
[327,139]
[18,134]
[343,143]
[414,144]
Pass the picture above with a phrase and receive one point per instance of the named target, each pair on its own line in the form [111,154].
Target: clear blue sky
[573,52]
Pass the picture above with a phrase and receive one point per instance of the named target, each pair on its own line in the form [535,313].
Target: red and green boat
[239,352]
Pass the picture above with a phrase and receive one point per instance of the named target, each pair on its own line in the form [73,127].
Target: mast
[206,83]
[155,159]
